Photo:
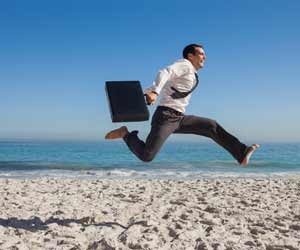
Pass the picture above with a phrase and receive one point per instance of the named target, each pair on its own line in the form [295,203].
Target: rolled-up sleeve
[161,79]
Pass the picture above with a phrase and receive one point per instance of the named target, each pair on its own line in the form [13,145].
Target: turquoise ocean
[113,160]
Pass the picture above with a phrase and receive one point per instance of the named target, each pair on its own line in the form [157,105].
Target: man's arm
[162,77]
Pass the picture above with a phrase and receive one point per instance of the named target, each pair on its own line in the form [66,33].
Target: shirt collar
[190,65]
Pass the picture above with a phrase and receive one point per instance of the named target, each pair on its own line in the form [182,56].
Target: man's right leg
[163,124]
[146,151]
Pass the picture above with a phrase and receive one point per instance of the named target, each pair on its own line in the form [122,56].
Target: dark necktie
[177,94]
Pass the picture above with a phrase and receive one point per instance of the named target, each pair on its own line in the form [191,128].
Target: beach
[216,213]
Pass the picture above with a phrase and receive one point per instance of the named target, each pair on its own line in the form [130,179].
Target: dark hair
[190,49]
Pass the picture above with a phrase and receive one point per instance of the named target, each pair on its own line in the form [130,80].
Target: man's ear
[190,56]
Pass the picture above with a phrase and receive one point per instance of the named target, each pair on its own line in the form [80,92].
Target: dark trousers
[166,121]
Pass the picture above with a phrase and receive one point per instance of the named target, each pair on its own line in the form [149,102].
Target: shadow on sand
[35,223]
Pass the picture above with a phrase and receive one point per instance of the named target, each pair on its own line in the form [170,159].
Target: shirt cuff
[153,89]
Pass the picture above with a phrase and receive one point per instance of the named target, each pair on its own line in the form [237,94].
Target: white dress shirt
[181,76]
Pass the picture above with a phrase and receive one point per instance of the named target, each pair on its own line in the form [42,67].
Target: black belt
[170,110]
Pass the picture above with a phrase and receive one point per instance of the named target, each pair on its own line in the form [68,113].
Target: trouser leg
[210,128]
[163,124]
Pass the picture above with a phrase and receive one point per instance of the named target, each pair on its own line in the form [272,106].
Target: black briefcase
[126,101]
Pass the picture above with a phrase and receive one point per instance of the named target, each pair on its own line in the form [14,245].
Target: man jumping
[175,85]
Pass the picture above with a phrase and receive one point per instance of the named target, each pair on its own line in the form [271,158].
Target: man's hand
[151,97]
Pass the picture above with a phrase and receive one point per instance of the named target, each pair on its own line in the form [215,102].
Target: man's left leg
[210,128]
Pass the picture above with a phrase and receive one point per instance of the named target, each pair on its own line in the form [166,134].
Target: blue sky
[55,57]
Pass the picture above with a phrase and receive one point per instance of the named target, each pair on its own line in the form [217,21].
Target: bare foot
[117,133]
[250,151]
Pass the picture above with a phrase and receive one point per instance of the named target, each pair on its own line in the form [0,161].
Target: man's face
[198,58]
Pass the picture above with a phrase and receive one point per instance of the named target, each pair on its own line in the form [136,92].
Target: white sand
[143,214]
